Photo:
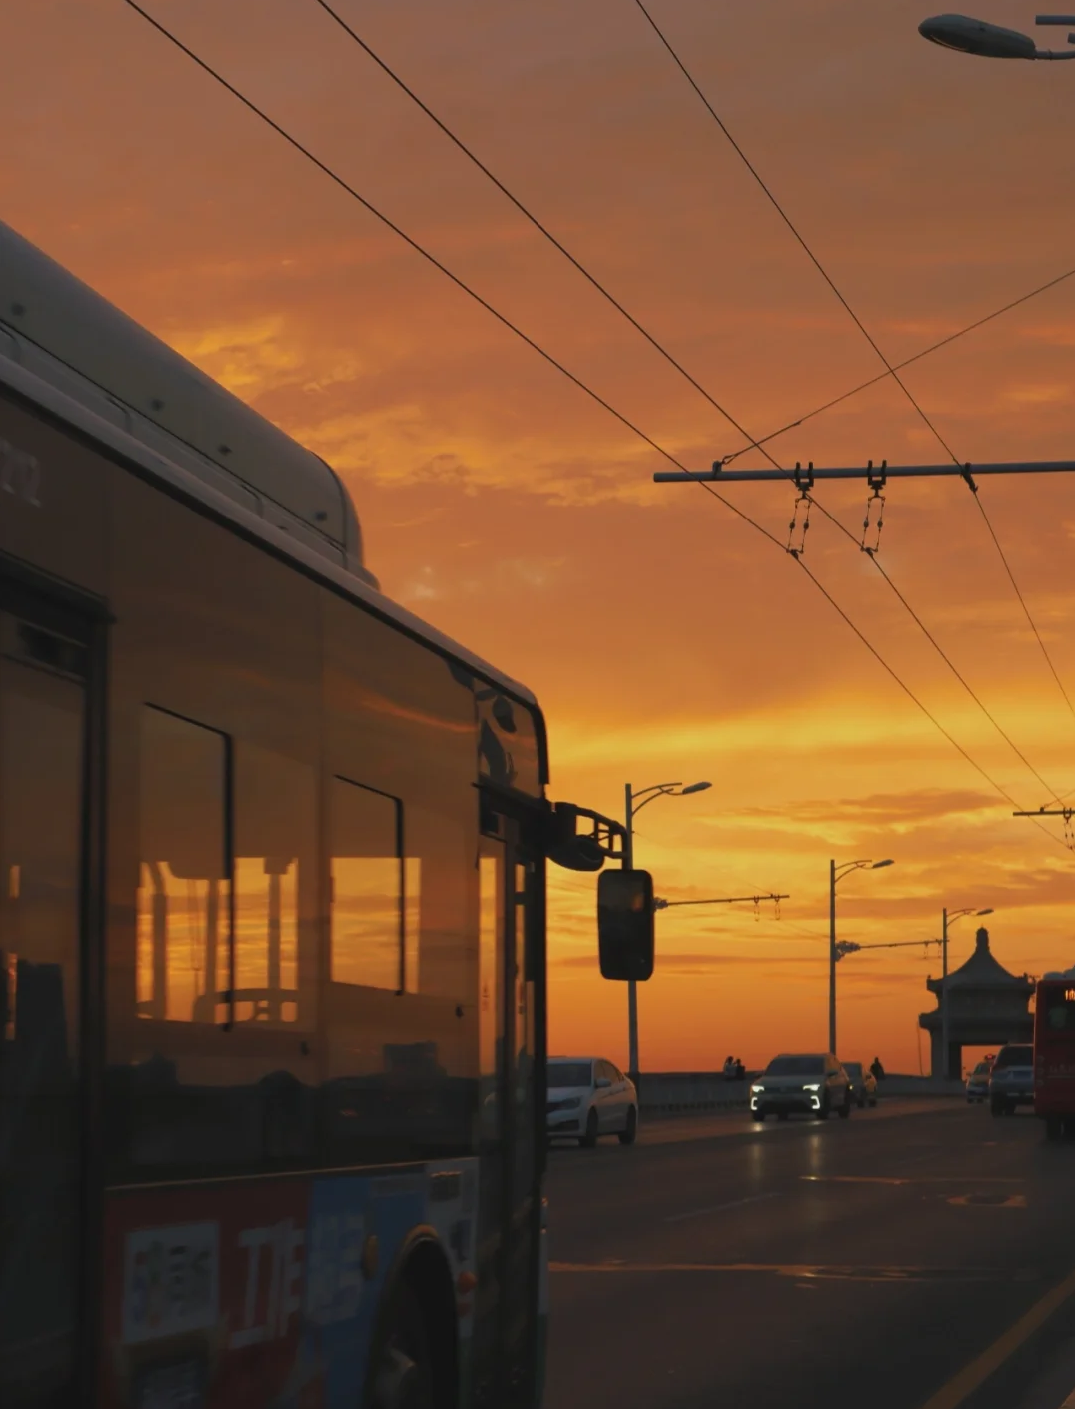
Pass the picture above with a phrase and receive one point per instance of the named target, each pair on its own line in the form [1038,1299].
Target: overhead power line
[345,186]
[890,369]
[530,216]
[791,225]
[917,357]
[539,225]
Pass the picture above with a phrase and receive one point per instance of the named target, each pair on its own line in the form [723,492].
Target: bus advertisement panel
[1054,1053]
[267,1293]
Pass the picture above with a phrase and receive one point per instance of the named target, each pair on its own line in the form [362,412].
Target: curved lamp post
[992,41]
[949,917]
[836,874]
[633,803]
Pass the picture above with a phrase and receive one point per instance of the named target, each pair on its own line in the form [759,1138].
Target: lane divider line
[891,1276]
[972,1376]
[912,1179]
[720,1208]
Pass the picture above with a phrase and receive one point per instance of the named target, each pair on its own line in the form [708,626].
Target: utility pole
[944,994]
[947,919]
[632,987]
[634,800]
[837,951]
[833,957]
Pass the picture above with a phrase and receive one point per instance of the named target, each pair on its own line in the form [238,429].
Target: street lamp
[950,917]
[634,802]
[837,873]
[992,41]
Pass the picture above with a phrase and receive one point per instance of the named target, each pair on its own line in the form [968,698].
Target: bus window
[41,733]
[274,834]
[367,887]
[1059,1017]
[182,958]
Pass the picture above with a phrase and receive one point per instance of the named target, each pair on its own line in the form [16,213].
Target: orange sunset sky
[664,637]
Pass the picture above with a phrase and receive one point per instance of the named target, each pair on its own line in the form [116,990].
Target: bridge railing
[699,1092]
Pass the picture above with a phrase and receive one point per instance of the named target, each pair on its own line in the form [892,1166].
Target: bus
[272,924]
[1054,1053]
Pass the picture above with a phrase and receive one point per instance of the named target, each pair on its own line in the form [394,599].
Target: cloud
[664,636]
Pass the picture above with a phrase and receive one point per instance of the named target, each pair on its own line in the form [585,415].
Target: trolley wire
[420,249]
[890,369]
[917,357]
[892,372]
[529,215]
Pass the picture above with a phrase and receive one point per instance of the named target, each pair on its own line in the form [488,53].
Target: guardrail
[690,1092]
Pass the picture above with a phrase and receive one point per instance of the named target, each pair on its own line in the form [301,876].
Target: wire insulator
[797,529]
[875,523]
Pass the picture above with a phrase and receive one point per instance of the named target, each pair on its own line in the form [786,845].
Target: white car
[588,1097]
[813,1083]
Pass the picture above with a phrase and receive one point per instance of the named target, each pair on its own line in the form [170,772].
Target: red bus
[1054,1053]
[272,924]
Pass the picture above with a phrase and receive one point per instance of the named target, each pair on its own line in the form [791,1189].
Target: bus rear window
[1014,1057]
[1059,1015]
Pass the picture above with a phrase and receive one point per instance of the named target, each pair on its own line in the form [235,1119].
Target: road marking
[719,1208]
[997,1200]
[809,1272]
[912,1179]
[959,1389]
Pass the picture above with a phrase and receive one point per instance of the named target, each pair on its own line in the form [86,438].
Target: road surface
[920,1256]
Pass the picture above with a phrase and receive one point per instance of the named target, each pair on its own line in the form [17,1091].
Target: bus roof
[41,303]
[78,357]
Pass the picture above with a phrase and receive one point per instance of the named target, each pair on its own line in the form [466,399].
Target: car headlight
[571,1104]
[814,1086]
[757,1090]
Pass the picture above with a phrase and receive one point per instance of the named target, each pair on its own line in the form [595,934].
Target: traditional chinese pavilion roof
[982,970]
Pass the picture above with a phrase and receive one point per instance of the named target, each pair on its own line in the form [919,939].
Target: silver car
[810,1083]
[1011,1081]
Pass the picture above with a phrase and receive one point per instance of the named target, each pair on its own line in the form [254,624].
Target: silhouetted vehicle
[863,1084]
[978,1083]
[588,1097]
[272,917]
[1011,1080]
[809,1084]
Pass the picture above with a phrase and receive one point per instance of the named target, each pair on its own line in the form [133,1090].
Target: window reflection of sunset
[254,938]
[187,947]
[365,921]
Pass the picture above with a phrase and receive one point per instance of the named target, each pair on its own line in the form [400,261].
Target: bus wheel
[1054,1127]
[402,1375]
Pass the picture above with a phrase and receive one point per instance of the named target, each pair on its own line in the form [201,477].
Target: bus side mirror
[625,925]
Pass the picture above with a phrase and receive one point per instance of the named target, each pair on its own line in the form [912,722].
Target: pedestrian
[740,1069]
[877,1069]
